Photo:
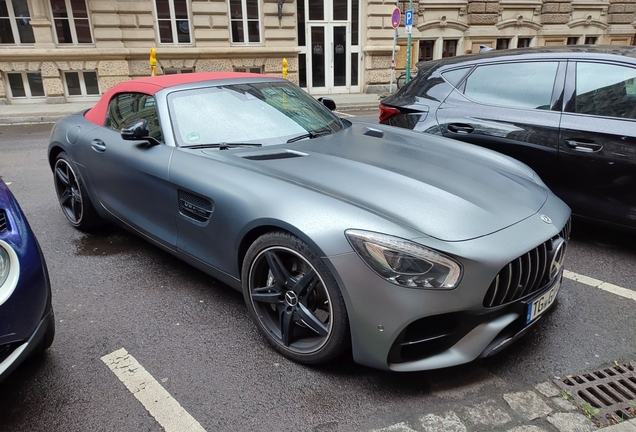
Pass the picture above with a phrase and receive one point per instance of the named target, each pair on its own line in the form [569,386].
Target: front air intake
[4,224]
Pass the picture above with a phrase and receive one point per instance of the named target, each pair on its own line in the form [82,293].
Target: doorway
[328,58]
[331,55]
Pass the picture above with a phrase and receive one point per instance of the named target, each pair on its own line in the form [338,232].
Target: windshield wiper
[223,145]
[311,134]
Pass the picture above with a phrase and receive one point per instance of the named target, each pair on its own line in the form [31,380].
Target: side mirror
[329,103]
[136,131]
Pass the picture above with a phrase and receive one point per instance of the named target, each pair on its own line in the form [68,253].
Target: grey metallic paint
[475,205]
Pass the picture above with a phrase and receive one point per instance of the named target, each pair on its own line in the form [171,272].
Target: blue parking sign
[408,17]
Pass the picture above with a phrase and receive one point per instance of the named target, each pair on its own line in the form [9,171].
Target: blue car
[27,325]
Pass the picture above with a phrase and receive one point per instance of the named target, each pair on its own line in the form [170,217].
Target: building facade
[56,51]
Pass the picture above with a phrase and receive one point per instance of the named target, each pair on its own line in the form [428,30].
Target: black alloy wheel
[294,300]
[72,195]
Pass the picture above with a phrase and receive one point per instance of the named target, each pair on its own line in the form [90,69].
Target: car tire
[294,300]
[72,195]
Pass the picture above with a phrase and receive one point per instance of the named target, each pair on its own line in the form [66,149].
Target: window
[503,44]
[173,21]
[70,18]
[81,83]
[25,85]
[258,69]
[449,48]
[245,21]
[455,76]
[426,50]
[271,113]
[172,71]
[523,42]
[573,40]
[125,108]
[520,85]
[15,23]
[605,90]
[591,40]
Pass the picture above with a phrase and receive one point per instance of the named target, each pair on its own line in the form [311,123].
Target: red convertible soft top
[151,85]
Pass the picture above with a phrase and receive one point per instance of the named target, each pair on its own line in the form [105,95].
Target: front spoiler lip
[27,348]
[480,342]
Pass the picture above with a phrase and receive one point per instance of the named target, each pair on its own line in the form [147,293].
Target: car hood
[440,187]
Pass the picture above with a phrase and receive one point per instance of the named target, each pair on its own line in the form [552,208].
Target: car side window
[605,90]
[519,85]
[125,108]
[455,76]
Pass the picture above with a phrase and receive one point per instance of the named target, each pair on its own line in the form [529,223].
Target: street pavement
[543,408]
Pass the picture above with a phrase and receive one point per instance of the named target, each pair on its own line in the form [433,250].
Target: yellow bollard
[153,62]
[285,68]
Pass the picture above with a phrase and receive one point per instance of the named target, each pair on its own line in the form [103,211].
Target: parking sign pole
[395,23]
[393,62]
[408,45]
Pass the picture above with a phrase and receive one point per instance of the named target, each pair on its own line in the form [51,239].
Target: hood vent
[372,132]
[273,156]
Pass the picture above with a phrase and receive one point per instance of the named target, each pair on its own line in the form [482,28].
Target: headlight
[405,263]
[5,265]
[9,271]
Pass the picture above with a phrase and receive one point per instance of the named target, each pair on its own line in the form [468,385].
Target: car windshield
[267,113]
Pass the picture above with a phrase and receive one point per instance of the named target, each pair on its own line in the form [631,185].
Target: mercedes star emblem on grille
[558,256]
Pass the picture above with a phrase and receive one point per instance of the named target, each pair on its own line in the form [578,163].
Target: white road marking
[163,407]
[344,114]
[614,289]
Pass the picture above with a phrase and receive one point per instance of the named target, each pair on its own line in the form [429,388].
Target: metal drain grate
[611,391]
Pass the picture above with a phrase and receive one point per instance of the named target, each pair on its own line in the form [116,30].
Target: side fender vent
[4,223]
[272,156]
[194,207]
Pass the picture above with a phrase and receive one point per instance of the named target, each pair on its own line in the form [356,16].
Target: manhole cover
[607,395]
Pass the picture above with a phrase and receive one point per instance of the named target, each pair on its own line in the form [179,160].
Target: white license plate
[541,304]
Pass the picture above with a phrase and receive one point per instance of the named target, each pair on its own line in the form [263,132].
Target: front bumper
[12,355]
[455,324]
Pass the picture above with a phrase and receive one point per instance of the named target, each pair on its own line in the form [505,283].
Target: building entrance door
[329,57]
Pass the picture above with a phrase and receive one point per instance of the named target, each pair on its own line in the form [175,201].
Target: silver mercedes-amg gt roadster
[417,252]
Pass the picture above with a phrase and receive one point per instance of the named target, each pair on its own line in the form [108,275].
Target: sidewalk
[49,113]
[544,408]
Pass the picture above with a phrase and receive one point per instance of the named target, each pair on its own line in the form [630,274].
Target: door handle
[460,128]
[584,146]
[98,145]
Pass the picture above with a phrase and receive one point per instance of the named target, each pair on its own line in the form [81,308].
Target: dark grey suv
[568,112]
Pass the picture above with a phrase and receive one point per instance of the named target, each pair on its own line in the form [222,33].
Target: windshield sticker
[193,136]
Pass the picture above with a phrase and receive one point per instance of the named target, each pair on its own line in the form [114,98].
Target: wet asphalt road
[193,334]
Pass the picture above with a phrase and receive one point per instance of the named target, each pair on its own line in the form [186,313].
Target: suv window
[455,76]
[605,90]
[520,85]
[128,107]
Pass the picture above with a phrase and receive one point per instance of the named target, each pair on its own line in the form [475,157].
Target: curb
[4,121]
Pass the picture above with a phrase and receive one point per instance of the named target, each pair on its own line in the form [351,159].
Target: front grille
[529,273]
[4,224]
